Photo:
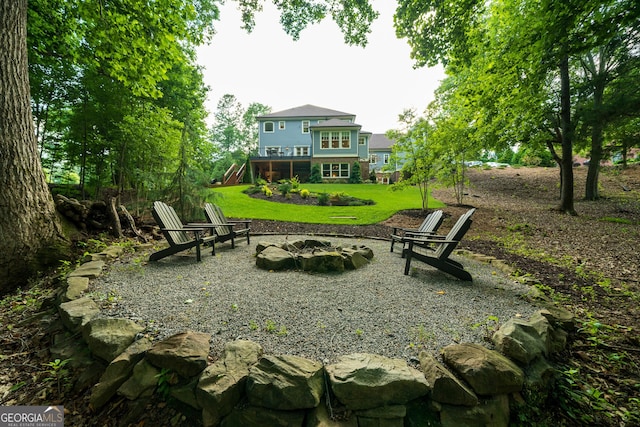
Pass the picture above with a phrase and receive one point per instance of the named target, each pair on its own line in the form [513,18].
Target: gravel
[376,309]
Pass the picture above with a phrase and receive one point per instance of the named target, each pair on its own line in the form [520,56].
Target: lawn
[236,204]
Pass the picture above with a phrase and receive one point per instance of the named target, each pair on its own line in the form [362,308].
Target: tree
[30,232]
[112,36]
[356,174]
[414,148]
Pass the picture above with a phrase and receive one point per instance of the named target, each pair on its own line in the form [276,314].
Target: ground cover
[589,264]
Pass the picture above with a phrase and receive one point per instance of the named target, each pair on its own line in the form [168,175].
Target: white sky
[376,83]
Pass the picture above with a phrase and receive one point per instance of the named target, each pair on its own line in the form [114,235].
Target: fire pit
[311,255]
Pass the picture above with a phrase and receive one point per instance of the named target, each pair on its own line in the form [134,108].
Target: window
[335,139]
[335,170]
[386,159]
[373,158]
[268,127]
[281,125]
[305,126]
[362,140]
[346,139]
[324,139]
[301,151]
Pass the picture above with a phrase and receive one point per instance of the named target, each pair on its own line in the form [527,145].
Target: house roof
[379,141]
[306,111]
[335,123]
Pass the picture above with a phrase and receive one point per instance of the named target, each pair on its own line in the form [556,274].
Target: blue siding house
[293,140]
[380,148]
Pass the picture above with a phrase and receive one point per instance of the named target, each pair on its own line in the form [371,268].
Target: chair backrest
[456,234]
[167,218]
[215,216]
[432,222]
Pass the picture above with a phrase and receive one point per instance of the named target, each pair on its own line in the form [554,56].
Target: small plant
[359,332]
[253,325]
[270,326]
[283,331]
[166,378]
[489,325]
[234,307]
[284,188]
[323,199]
[304,193]
[58,373]
[267,191]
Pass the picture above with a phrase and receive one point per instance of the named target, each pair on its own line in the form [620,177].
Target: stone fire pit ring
[311,255]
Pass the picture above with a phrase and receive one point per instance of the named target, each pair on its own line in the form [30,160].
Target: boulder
[252,416]
[222,384]
[274,258]
[383,416]
[492,412]
[108,337]
[74,314]
[142,383]
[184,353]
[321,261]
[365,381]
[75,288]
[487,372]
[353,259]
[522,340]
[320,417]
[285,383]
[91,269]
[445,387]
[117,372]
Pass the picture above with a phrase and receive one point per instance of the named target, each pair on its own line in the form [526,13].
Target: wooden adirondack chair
[224,229]
[428,227]
[179,236]
[435,250]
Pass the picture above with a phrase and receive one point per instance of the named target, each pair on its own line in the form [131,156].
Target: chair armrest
[419,240]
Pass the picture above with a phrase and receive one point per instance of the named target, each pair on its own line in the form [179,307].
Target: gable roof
[307,111]
[335,123]
[379,141]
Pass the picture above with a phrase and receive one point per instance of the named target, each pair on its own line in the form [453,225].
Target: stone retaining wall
[475,386]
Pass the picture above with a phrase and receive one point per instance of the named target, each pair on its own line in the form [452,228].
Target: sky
[375,83]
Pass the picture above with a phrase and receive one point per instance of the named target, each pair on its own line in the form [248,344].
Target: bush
[323,199]
[304,193]
[284,188]
[316,174]
[267,191]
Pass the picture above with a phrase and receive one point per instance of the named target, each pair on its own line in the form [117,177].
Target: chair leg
[407,253]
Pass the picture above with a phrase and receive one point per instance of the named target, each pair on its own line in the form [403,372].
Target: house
[290,142]
[380,148]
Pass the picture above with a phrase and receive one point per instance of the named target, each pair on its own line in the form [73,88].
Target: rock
[109,337]
[252,416]
[321,261]
[285,383]
[445,387]
[521,340]
[492,412]
[365,381]
[353,259]
[142,383]
[383,416]
[320,417]
[274,258]
[74,314]
[487,371]
[222,384]
[75,288]
[90,269]
[184,353]
[117,372]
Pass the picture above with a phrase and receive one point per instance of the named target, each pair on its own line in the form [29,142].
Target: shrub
[304,193]
[284,188]
[267,191]
[316,174]
[323,199]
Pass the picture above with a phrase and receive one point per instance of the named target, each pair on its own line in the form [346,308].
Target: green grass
[236,204]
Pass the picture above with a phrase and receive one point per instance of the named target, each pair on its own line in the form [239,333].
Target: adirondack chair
[179,236]
[428,227]
[435,250]
[225,229]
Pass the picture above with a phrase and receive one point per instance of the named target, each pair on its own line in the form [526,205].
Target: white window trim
[282,125]
[386,158]
[339,164]
[308,125]
[299,148]
[332,133]
[264,127]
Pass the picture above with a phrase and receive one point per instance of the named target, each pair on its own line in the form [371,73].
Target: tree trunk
[591,188]
[30,232]
[566,165]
